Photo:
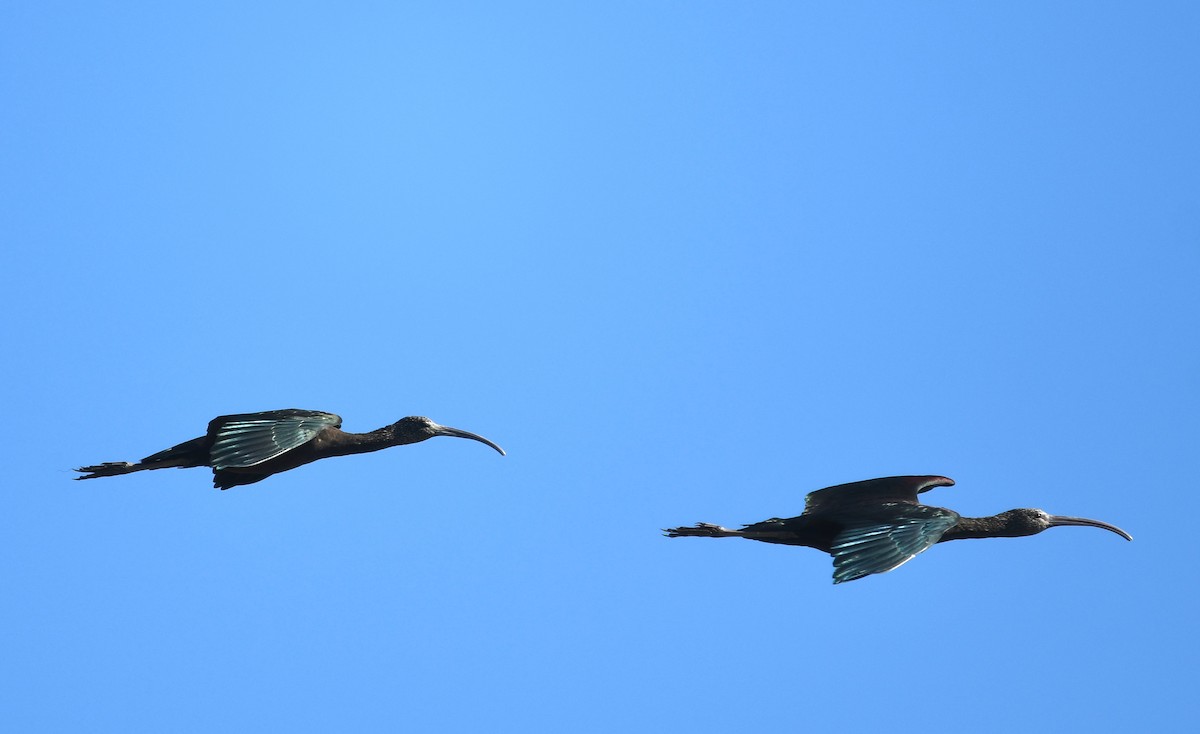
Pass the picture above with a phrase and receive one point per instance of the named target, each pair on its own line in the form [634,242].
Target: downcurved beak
[457,433]
[1067,520]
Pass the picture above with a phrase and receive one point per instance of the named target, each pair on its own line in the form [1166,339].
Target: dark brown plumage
[249,447]
[876,525]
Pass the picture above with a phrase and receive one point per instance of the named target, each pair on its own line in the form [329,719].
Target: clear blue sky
[684,261]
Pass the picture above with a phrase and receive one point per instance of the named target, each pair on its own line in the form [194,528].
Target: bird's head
[417,428]
[1028,521]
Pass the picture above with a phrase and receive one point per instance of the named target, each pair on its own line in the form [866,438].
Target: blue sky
[684,261]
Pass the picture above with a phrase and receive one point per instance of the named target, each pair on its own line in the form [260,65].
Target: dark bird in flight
[877,525]
[249,447]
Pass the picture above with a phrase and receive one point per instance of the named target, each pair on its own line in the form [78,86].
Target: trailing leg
[703,530]
[186,455]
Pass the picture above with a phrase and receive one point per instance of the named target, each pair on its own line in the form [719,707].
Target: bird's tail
[702,530]
[187,454]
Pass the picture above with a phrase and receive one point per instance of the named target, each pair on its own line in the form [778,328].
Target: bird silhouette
[877,525]
[249,447]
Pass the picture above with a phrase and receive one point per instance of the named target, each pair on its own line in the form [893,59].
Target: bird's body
[877,525]
[249,447]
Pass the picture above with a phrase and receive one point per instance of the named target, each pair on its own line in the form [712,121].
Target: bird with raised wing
[249,447]
[877,525]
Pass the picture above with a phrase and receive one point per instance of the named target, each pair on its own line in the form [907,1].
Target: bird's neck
[992,526]
[345,443]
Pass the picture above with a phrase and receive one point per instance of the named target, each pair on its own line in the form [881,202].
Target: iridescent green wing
[249,439]
[902,531]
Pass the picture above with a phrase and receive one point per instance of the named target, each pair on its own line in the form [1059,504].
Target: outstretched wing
[872,492]
[252,438]
[871,546]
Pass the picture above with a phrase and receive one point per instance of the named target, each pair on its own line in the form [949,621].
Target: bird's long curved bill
[1067,520]
[457,433]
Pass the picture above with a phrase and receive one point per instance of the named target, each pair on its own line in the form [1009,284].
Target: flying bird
[877,525]
[249,447]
